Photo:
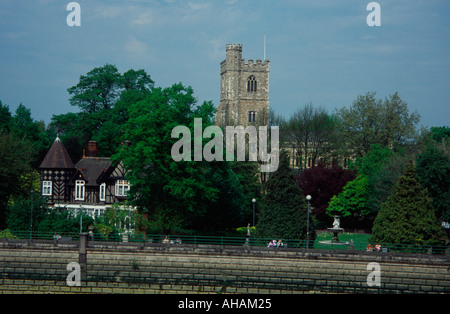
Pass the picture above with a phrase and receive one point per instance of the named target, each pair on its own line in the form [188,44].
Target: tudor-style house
[92,184]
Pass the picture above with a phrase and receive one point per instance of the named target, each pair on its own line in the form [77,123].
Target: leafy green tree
[24,126]
[19,213]
[382,167]
[102,87]
[383,180]
[231,208]
[71,130]
[98,89]
[372,161]
[112,130]
[175,194]
[374,121]
[247,173]
[407,217]
[139,80]
[283,213]
[433,168]
[440,133]
[104,96]
[351,203]
[16,155]
[5,118]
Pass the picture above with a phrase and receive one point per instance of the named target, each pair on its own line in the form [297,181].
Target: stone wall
[157,268]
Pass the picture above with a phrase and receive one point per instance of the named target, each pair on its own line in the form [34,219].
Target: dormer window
[79,190]
[122,187]
[251,84]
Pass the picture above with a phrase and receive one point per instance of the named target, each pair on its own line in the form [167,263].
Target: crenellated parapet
[244,93]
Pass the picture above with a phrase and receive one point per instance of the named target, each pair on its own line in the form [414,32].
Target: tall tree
[98,89]
[5,117]
[407,217]
[104,96]
[311,132]
[382,181]
[176,194]
[381,168]
[24,126]
[248,175]
[283,213]
[374,121]
[351,203]
[16,155]
[433,168]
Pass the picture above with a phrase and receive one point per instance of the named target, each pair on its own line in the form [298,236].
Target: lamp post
[253,202]
[31,214]
[308,198]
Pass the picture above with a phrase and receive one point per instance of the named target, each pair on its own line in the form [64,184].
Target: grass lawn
[360,240]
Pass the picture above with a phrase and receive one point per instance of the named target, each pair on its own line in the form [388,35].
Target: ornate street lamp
[308,198]
[253,201]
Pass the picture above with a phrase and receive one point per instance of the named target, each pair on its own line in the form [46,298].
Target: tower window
[251,84]
[251,116]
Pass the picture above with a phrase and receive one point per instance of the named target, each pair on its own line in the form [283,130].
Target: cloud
[216,48]
[144,18]
[134,46]
[198,6]
[108,12]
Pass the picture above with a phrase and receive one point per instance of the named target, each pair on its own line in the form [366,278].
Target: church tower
[244,90]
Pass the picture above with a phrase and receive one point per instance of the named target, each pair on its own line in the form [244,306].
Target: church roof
[57,157]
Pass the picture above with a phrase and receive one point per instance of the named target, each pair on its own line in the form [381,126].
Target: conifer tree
[407,216]
[283,208]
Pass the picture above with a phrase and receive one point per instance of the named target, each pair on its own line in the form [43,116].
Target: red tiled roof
[57,157]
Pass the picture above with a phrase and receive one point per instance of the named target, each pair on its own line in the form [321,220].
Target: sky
[321,52]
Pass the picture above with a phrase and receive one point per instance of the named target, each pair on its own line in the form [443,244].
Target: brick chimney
[92,150]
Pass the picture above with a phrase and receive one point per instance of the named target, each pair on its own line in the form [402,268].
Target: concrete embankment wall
[41,267]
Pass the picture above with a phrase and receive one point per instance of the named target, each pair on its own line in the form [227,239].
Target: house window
[47,188]
[102,192]
[251,84]
[251,116]
[122,187]
[79,190]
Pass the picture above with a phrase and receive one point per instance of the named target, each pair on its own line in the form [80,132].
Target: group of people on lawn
[275,243]
[371,249]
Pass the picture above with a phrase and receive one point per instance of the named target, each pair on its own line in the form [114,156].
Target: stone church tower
[244,90]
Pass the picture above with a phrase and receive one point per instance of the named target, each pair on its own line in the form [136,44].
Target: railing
[219,240]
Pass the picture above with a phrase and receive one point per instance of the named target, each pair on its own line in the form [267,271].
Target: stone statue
[336,222]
